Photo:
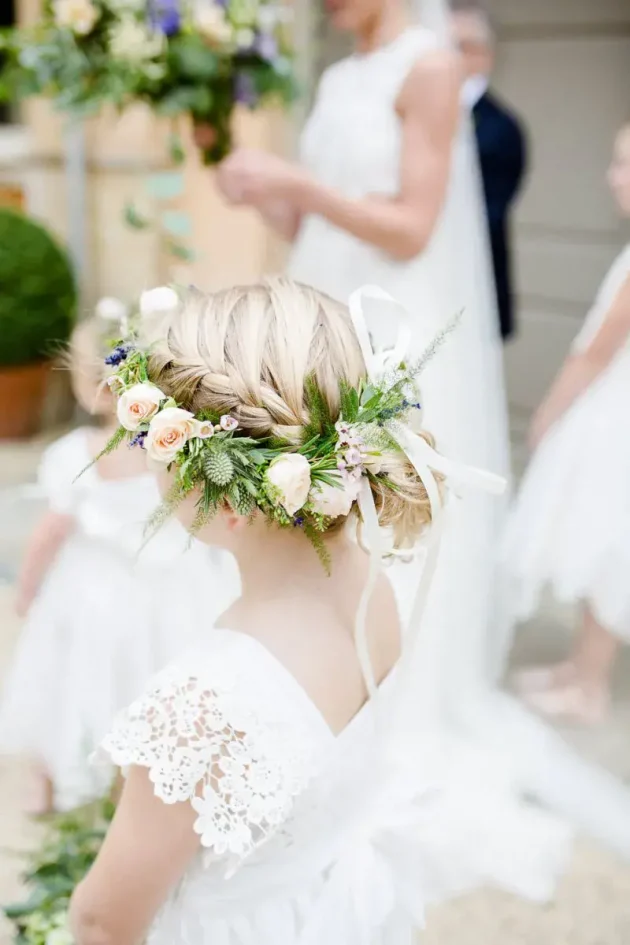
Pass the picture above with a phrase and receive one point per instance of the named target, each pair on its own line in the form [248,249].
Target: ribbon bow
[425,460]
[379,872]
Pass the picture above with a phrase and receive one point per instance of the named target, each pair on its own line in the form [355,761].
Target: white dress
[105,618]
[306,837]
[570,527]
[487,743]
[352,143]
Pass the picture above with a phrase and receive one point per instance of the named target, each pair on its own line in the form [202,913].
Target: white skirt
[101,626]
[570,527]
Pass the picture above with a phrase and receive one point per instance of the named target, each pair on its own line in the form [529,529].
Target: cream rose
[138,405]
[158,301]
[169,432]
[78,15]
[290,479]
[211,22]
[336,500]
[111,310]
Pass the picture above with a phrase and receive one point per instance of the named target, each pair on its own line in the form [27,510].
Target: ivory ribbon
[425,461]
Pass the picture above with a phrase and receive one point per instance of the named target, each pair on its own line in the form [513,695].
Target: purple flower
[165,16]
[228,423]
[298,522]
[353,457]
[138,439]
[245,90]
[118,355]
[266,45]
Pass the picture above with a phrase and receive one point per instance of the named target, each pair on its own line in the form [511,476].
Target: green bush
[38,297]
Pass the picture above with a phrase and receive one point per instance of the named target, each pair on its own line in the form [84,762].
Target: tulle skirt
[570,528]
[101,625]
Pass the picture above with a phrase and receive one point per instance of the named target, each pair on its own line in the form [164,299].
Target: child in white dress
[570,527]
[274,791]
[100,619]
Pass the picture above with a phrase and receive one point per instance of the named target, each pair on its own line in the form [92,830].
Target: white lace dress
[106,618]
[306,838]
[570,527]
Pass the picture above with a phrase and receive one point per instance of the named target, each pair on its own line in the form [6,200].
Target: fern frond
[112,444]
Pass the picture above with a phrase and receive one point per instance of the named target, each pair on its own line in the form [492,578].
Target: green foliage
[69,847]
[122,58]
[218,467]
[38,299]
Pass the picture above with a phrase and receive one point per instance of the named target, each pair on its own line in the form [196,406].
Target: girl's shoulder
[224,705]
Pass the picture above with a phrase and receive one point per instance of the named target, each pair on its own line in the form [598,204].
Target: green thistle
[218,468]
[243,502]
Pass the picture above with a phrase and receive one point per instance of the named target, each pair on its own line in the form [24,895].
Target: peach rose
[138,405]
[290,479]
[169,432]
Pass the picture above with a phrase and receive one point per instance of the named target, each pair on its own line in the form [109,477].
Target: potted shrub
[38,302]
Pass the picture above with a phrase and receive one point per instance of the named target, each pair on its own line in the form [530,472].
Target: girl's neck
[386,27]
[275,562]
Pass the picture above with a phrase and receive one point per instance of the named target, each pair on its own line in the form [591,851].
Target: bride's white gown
[483,741]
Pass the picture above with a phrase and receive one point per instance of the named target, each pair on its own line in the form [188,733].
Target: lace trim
[240,767]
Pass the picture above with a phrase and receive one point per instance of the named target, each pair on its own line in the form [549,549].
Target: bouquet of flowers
[182,57]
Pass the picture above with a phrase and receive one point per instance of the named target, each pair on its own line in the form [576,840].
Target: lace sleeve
[223,747]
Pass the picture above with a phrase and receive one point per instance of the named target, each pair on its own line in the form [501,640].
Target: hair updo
[248,351]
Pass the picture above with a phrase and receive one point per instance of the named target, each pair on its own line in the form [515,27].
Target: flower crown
[307,486]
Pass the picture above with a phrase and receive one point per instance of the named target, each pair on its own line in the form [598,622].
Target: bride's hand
[257,177]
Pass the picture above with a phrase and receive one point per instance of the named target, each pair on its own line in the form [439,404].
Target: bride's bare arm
[400,225]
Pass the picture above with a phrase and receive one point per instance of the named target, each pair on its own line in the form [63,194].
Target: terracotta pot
[22,391]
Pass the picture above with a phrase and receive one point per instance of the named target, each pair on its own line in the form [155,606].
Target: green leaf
[134,219]
[176,149]
[165,186]
[179,251]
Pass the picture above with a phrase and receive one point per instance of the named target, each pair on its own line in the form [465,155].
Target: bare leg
[594,657]
[580,687]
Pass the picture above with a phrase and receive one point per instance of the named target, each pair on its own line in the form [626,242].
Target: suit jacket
[502,156]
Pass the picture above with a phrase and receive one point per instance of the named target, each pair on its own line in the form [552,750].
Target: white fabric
[306,837]
[570,527]
[474,90]
[352,142]
[105,618]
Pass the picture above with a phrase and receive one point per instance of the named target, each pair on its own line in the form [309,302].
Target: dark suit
[502,155]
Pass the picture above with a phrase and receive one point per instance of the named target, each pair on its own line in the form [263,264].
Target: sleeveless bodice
[352,139]
[617,275]
[352,142]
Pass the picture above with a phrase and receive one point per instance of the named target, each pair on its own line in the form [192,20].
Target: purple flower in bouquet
[245,90]
[165,16]
[266,45]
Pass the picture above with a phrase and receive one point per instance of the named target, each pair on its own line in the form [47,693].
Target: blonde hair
[249,351]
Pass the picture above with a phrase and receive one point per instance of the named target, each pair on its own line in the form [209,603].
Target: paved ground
[593,902]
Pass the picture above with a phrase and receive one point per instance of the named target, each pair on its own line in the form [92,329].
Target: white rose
[211,22]
[133,41]
[333,501]
[169,432]
[111,310]
[78,15]
[138,405]
[290,479]
[158,301]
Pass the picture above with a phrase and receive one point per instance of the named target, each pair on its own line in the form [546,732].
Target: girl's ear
[234,522]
